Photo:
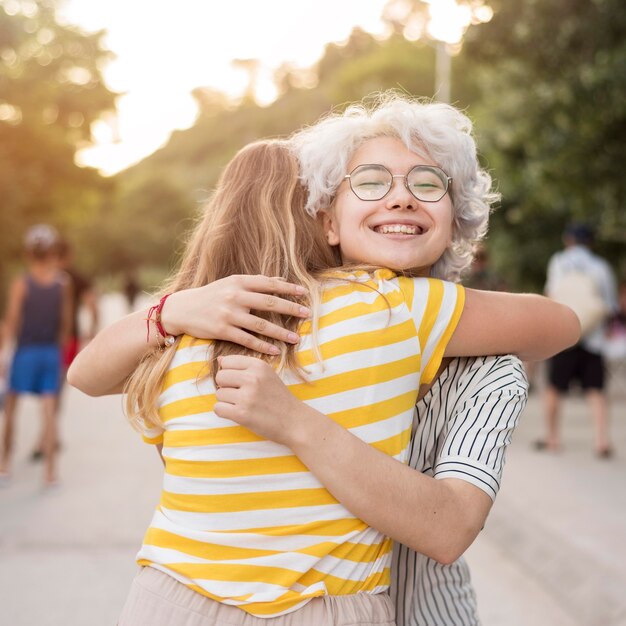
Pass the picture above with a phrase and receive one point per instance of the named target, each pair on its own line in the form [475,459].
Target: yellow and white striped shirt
[241,519]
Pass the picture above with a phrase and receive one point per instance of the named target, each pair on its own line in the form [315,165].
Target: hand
[251,394]
[221,310]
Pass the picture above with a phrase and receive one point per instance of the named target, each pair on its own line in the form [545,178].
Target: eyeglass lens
[425,182]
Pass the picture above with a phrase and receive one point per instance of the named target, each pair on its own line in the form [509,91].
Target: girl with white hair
[438,136]
[374,223]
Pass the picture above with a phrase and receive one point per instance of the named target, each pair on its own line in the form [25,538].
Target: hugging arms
[423,224]
[438,518]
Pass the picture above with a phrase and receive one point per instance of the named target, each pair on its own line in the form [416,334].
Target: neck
[43,270]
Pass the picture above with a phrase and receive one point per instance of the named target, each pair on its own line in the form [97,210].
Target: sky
[166,48]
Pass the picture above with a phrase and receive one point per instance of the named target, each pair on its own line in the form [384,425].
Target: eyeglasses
[427,183]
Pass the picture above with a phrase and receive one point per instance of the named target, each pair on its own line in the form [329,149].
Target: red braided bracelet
[157,316]
[156,310]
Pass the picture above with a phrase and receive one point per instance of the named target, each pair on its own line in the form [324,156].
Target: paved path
[552,553]
[560,521]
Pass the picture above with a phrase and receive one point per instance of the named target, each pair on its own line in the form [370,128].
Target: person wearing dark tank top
[36,324]
[41,313]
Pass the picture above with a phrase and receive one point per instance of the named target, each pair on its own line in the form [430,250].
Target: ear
[329,225]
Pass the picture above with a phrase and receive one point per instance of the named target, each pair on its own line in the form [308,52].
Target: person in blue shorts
[36,325]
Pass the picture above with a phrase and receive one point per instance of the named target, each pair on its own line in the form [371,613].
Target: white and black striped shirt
[462,428]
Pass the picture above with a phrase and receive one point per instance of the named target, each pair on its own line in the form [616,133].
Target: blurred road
[552,553]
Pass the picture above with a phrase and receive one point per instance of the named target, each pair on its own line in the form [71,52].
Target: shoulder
[189,364]
[603,265]
[19,285]
[20,281]
[472,376]
[65,281]
[190,349]
[343,288]
[432,290]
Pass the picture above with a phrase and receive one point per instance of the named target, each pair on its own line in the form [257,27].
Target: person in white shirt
[583,362]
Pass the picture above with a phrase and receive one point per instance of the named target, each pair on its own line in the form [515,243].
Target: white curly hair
[439,131]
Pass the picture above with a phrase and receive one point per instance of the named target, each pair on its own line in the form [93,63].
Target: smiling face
[398,232]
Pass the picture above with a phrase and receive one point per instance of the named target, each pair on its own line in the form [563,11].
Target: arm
[12,321]
[530,326]
[220,310]
[105,363]
[437,517]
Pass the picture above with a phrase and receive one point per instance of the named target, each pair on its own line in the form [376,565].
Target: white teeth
[397,228]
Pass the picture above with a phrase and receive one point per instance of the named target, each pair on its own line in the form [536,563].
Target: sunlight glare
[448,21]
[190,44]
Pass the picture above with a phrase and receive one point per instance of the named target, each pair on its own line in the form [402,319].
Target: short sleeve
[436,307]
[152,436]
[493,394]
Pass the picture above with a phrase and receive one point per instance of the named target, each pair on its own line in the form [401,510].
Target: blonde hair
[441,131]
[255,223]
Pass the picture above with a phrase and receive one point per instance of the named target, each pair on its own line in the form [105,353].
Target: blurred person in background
[37,325]
[131,289]
[83,296]
[584,281]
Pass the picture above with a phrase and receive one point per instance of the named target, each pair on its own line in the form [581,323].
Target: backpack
[578,291]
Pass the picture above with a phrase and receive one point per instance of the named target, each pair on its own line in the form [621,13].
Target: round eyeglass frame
[445,178]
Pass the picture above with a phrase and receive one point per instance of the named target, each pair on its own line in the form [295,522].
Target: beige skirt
[156,599]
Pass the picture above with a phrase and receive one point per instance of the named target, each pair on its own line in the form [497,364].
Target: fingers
[272,284]
[269,302]
[242,338]
[238,362]
[225,410]
[273,331]
[229,379]
[227,394]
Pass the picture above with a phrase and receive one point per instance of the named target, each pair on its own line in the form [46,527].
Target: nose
[399,197]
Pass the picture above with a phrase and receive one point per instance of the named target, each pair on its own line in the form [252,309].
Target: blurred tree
[544,83]
[394,64]
[137,228]
[552,119]
[175,180]
[51,90]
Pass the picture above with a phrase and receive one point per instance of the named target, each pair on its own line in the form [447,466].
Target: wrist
[169,318]
[306,430]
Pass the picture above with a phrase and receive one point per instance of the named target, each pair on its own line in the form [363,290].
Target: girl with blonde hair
[242,521]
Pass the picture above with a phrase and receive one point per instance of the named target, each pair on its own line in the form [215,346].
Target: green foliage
[193,158]
[552,117]
[398,64]
[51,90]
[543,81]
